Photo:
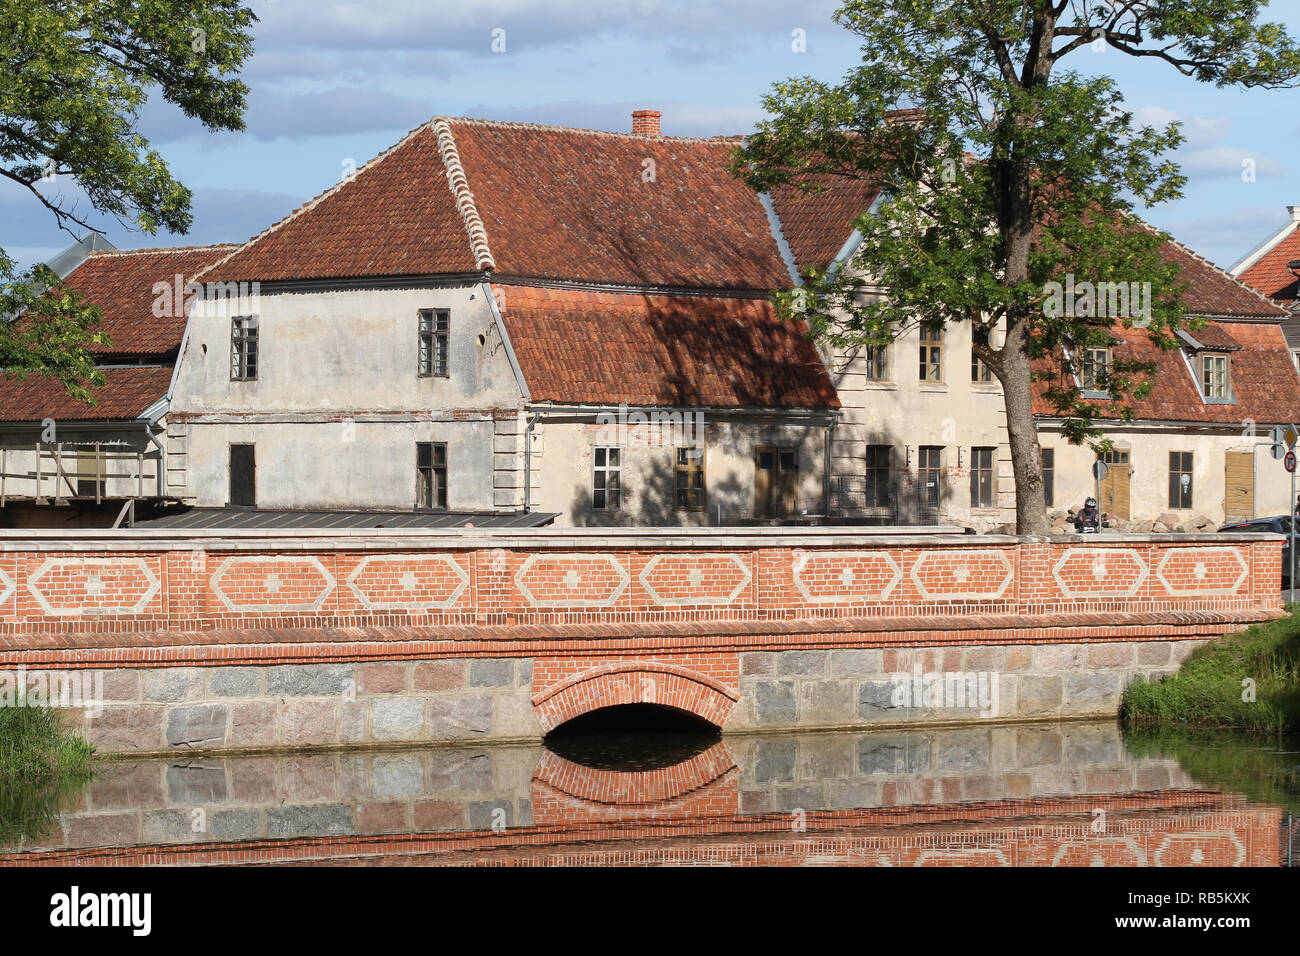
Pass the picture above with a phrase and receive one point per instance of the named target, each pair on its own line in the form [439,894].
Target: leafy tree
[76,75]
[1005,172]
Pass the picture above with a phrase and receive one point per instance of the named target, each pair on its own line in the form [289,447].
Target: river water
[1074,794]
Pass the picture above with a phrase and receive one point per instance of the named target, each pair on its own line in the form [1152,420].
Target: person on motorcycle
[1088,520]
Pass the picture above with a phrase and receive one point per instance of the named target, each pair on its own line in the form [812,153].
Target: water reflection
[1071,794]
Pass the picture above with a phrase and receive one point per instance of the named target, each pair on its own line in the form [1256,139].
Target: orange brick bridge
[262,640]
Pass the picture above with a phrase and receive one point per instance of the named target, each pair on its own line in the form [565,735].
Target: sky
[334,82]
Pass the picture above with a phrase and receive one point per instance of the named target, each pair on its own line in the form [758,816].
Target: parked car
[1278,525]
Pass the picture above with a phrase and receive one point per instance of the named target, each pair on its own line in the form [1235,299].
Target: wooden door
[1114,488]
[1238,485]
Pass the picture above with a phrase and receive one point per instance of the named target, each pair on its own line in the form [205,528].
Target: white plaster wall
[562,471]
[1149,479]
[338,404]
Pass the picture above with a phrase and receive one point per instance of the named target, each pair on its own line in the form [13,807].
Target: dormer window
[1214,376]
[1095,363]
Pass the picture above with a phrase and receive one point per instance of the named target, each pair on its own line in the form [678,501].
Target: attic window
[1215,382]
[1095,363]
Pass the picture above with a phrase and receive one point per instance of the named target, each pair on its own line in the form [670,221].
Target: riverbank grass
[1249,680]
[41,763]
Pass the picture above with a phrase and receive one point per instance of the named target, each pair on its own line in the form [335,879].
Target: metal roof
[219,518]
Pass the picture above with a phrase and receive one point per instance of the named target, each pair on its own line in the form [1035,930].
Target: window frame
[931,355]
[686,463]
[879,477]
[1088,367]
[1047,465]
[1175,484]
[434,343]
[922,470]
[875,363]
[1218,357]
[982,477]
[245,351]
[603,469]
[436,484]
[980,373]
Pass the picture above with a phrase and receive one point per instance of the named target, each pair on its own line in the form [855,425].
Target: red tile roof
[530,201]
[121,283]
[126,395]
[610,348]
[1213,291]
[1269,273]
[1264,379]
[817,224]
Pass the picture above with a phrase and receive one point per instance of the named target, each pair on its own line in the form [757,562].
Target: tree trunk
[1022,434]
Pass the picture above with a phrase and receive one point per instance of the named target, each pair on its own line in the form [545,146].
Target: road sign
[1100,470]
[1289,461]
[1289,435]
[1278,450]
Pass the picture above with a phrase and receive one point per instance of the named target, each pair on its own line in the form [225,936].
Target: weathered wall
[338,404]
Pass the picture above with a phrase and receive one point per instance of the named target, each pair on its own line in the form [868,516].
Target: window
[931,354]
[1214,376]
[880,491]
[606,479]
[1180,479]
[243,476]
[434,327]
[690,494]
[431,475]
[243,348]
[876,361]
[1095,362]
[979,372]
[1049,476]
[776,482]
[929,475]
[981,477]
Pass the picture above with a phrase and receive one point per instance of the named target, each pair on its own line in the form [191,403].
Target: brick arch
[634,682]
[706,780]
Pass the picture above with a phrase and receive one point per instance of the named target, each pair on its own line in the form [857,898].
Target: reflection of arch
[634,788]
[634,682]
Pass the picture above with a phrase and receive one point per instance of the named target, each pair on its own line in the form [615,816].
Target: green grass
[41,765]
[1207,691]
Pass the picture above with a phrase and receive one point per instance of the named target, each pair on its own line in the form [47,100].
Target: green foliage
[76,76]
[41,765]
[1208,690]
[1002,174]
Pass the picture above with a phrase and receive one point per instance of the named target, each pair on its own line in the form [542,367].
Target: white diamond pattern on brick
[94,585]
[272,583]
[865,589]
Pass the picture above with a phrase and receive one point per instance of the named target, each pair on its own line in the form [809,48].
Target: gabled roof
[121,283]
[1264,381]
[531,202]
[1266,269]
[817,224]
[578,347]
[1212,292]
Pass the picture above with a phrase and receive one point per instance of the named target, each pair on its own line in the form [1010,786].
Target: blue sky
[338,80]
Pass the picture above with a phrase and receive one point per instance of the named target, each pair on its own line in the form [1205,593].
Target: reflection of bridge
[1022,796]
[283,639]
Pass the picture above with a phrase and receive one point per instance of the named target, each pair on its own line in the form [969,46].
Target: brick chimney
[646,123]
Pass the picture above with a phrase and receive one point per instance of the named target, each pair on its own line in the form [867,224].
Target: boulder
[1159,527]
[1202,522]
[1168,519]
[1141,527]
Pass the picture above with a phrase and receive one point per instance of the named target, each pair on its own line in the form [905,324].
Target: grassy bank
[1208,690]
[41,763]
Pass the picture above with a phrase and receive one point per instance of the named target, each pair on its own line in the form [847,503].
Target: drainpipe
[528,462]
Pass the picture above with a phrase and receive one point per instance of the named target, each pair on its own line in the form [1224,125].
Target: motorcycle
[1088,520]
